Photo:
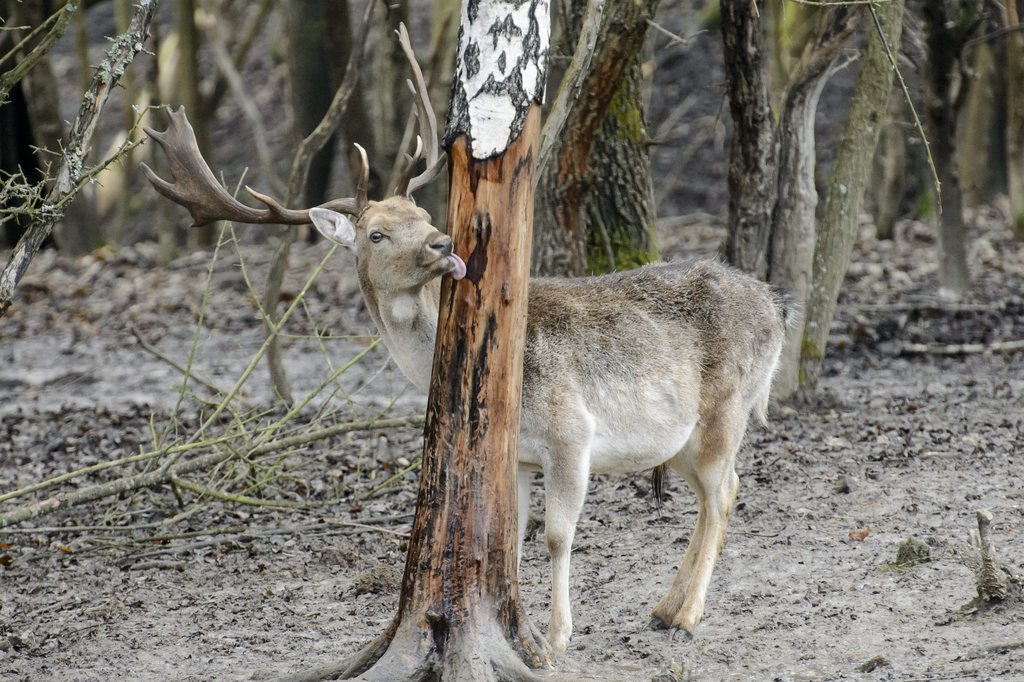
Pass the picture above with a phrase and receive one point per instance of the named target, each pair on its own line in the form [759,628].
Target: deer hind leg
[523,501]
[565,487]
[707,463]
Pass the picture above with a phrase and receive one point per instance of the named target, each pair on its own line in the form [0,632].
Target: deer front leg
[565,487]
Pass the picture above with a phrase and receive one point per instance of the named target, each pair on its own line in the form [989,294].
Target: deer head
[396,247]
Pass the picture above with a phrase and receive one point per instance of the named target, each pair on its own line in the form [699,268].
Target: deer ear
[334,226]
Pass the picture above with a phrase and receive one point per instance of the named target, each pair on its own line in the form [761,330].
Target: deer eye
[376,236]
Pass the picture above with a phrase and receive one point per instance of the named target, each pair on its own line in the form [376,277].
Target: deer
[659,366]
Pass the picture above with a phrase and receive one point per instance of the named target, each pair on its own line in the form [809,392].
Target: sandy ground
[143,586]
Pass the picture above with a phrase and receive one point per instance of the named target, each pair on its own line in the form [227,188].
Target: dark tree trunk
[752,156]
[594,197]
[945,90]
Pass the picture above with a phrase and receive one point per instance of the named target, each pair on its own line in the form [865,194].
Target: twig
[351,527]
[237,499]
[962,348]
[60,20]
[107,75]
[164,474]
[160,355]
[375,491]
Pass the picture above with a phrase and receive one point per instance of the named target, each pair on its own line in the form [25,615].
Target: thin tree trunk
[846,190]
[297,182]
[888,187]
[1015,118]
[391,94]
[978,152]
[791,248]
[753,185]
[594,182]
[187,88]
[947,29]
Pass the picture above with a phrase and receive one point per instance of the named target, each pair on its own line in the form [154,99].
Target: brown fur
[625,372]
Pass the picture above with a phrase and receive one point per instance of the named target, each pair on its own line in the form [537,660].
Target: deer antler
[196,187]
[428,125]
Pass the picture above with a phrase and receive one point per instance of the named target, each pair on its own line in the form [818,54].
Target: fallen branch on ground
[167,474]
[962,348]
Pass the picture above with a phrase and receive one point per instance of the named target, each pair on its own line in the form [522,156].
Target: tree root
[407,651]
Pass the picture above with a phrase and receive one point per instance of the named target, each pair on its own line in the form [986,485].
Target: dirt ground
[172,584]
[146,586]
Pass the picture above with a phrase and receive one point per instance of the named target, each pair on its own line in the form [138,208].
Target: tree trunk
[888,185]
[846,190]
[187,88]
[1015,117]
[619,211]
[391,94]
[945,36]
[595,185]
[752,159]
[978,144]
[310,84]
[791,247]
[459,614]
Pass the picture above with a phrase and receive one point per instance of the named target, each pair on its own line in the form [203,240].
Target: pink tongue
[460,267]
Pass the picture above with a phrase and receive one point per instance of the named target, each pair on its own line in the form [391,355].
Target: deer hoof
[657,624]
[674,629]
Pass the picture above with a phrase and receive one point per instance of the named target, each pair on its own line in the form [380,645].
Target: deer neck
[407,321]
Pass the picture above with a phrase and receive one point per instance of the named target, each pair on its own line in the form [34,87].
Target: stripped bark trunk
[594,193]
[459,615]
[846,189]
[752,154]
[791,247]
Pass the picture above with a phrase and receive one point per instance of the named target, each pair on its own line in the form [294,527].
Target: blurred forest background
[641,93]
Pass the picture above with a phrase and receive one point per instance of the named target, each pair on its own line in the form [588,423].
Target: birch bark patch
[501,70]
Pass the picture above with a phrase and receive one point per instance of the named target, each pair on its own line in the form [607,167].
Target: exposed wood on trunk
[460,616]
[791,247]
[752,158]
[846,190]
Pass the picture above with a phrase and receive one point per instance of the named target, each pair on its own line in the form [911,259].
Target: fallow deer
[623,372]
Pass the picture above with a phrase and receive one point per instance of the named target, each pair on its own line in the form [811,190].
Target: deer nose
[443,246]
